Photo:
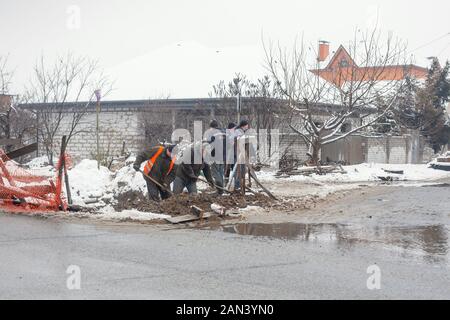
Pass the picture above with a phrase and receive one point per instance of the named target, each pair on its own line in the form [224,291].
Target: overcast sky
[181,48]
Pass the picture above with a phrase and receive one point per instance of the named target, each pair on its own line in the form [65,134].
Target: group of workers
[215,157]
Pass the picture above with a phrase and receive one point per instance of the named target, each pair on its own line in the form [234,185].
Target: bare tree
[230,90]
[5,100]
[264,109]
[5,75]
[69,79]
[361,87]
[19,124]
[15,122]
[157,126]
[263,92]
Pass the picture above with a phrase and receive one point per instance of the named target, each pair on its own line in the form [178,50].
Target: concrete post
[174,119]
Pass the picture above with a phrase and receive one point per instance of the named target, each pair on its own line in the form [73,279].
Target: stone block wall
[398,150]
[292,145]
[124,127]
[116,127]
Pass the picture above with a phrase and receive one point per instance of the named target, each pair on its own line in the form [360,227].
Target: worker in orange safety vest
[160,166]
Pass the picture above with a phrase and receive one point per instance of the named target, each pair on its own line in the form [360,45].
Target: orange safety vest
[149,165]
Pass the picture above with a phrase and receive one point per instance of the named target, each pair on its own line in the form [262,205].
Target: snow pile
[99,188]
[108,213]
[435,162]
[87,182]
[38,163]
[250,208]
[371,172]
[366,172]
[127,179]
[39,166]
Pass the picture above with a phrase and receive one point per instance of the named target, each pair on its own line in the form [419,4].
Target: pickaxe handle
[216,186]
[156,182]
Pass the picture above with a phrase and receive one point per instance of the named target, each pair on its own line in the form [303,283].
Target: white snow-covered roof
[183,69]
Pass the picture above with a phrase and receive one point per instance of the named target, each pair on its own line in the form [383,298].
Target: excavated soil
[180,204]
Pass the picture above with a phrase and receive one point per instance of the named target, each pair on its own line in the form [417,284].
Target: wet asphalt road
[404,231]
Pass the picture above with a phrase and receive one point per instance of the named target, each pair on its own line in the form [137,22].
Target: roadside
[120,195]
[323,252]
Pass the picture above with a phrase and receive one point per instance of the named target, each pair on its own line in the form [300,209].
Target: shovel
[213,185]
[156,182]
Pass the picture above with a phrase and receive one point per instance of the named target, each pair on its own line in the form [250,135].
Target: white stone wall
[293,146]
[376,150]
[115,128]
[119,125]
[397,150]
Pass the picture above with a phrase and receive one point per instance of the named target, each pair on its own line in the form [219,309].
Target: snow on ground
[38,162]
[97,188]
[108,213]
[88,182]
[367,172]
[127,179]
[93,187]
[250,208]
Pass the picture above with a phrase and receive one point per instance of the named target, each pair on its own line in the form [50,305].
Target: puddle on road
[432,241]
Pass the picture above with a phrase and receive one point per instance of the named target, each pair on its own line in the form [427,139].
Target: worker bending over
[190,168]
[160,166]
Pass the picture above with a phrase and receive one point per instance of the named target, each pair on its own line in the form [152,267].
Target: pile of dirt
[180,204]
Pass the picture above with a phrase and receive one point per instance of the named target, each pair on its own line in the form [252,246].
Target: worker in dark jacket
[189,168]
[239,133]
[160,166]
[216,137]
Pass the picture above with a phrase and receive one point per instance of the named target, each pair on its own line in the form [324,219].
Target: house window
[343,63]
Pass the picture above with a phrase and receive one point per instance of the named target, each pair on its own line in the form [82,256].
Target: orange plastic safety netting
[30,190]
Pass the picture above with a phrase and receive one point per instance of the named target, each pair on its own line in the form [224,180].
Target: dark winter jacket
[217,138]
[187,170]
[160,167]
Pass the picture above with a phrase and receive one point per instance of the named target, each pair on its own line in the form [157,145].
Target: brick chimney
[324,50]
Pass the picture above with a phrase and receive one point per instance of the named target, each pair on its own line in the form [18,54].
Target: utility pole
[322,54]
[238,99]
[238,107]
[98,96]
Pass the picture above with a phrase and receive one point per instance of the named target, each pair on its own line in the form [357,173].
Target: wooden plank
[388,178]
[20,152]
[61,171]
[440,166]
[253,174]
[187,218]
[393,171]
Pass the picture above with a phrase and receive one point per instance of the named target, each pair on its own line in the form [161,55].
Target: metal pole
[37,133]
[318,70]
[98,135]
[238,107]
[98,96]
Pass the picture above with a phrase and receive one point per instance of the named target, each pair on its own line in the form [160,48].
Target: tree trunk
[315,147]
[49,153]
